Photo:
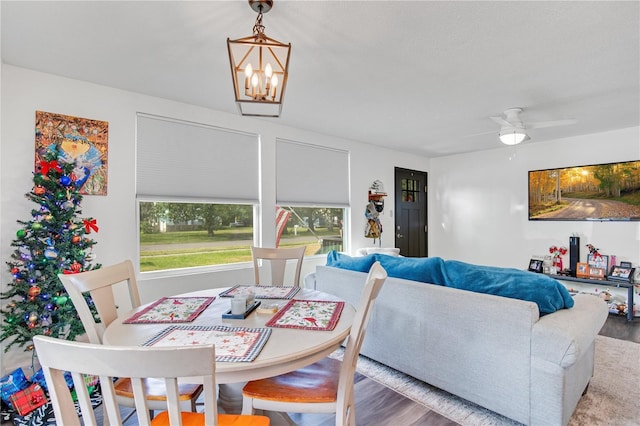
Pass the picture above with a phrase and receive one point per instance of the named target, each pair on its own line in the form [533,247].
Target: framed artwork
[599,261]
[597,273]
[621,273]
[80,140]
[582,270]
[535,265]
[584,192]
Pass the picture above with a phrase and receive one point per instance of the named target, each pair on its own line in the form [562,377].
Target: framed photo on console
[598,261]
[535,265]
[621,273]
[582,270]
[597,273]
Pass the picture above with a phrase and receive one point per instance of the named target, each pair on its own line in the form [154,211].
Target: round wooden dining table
[286,349]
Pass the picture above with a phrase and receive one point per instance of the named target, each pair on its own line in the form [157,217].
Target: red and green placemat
[261,291]
[171,310]
[308,315]
[233,344]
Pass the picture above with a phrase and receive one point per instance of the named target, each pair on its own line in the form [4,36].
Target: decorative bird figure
[594,251]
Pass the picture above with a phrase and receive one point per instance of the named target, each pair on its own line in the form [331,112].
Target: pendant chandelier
[259,68]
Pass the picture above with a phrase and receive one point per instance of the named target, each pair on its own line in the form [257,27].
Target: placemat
[171,310]
[308,314]
[233,344]
[261,291]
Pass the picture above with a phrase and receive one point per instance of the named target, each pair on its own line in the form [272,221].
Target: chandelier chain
[258,28]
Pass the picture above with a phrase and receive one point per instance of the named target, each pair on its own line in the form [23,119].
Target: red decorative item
[594,251]
[27,400]
[75,239]
[39,190]
[34,291]
[90,224]
[557,253]
[46,166]
[74,269]
[557,262]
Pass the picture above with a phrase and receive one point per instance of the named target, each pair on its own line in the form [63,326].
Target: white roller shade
[311,175]
[183,160]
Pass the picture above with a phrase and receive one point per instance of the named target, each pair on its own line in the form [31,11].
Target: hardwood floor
[618,327]
[377,405]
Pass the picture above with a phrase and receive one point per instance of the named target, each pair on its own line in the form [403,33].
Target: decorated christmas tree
[53,241]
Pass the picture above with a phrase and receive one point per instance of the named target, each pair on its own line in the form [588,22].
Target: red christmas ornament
[39,190]
[75,239]
[34,291]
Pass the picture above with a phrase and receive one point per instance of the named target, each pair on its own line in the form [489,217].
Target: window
[410,190]
[319,229]
[182,235]
[312,183]
[192,212]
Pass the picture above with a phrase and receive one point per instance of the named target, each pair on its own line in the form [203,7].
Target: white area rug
[613,397]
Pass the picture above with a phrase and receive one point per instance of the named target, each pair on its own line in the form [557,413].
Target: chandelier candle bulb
[248,71]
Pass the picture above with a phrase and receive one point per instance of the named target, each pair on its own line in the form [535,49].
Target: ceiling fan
[513,130]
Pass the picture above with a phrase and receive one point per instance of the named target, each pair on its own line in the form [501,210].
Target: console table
[608,283]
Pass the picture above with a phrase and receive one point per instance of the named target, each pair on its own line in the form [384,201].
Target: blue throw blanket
[546,292]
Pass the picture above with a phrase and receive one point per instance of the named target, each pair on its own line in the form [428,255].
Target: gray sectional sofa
[495,351]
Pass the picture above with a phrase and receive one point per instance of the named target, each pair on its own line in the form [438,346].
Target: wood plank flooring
[377,405]
[618,327]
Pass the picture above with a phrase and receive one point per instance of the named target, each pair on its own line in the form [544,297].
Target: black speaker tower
[574,254]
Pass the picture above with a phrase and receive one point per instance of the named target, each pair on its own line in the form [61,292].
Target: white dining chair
[277,258]
[327,385]
[137,362]
[98,283]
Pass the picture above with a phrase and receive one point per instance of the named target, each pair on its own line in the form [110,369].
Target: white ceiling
[416,76]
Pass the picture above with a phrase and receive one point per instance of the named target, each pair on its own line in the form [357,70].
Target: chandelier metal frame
[259,68]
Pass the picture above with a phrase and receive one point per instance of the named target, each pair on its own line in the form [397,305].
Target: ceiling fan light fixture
[512,136]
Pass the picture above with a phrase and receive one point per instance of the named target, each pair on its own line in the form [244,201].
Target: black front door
[411,212]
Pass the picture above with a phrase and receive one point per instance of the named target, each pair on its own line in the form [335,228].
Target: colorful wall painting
[82,140]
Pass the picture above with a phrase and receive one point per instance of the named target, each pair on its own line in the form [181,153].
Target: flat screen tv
[599,192]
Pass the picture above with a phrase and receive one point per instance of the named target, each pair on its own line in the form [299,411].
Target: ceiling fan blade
[492,132]
[543,124]
[501,121]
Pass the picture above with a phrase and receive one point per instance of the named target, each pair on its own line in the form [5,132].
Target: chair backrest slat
[99,284]
[278,258]
[136,362]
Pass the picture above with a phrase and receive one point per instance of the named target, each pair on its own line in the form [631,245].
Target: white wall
[478,205]
[25,91]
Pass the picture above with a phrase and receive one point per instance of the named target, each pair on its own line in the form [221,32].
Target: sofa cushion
[421,269]
[343,261]
[392,251]
[549,294]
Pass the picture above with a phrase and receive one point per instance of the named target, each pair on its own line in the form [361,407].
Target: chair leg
[274,415]
[247,406]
